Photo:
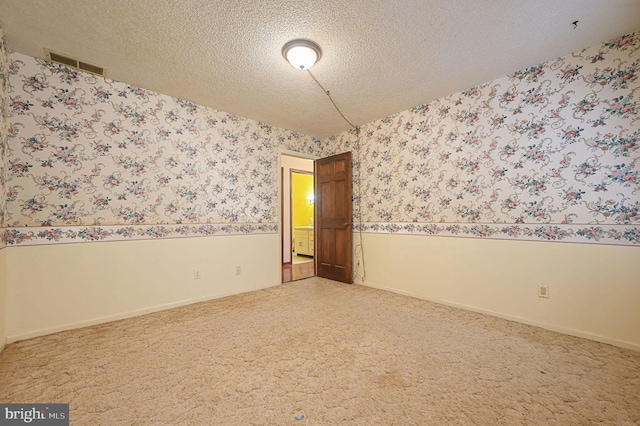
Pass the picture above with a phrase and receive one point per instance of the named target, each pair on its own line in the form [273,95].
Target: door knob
[346,224]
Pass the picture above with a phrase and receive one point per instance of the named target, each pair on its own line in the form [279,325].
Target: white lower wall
[57,287]
[3,297]
[594,289]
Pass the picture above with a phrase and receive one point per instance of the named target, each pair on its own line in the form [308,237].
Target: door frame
[280,209]
[291,173]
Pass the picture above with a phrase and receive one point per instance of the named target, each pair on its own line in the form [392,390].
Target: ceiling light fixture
[301,53]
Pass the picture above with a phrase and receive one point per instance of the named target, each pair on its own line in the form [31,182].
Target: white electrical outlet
[543,291]
[238,270]
[196,274]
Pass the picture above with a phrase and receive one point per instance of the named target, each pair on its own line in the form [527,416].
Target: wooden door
[334,237]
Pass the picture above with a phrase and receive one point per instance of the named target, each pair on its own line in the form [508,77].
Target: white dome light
[301,54]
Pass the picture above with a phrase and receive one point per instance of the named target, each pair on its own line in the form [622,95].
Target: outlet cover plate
[543,291]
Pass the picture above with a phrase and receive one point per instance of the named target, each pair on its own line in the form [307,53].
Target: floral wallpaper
[547,153]
[93,159]
[4,125]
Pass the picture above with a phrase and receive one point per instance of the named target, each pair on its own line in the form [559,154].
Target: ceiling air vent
[74,63]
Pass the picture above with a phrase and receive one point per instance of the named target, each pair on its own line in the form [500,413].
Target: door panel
[333,218]
[325,258]
[325,194]
[340,194]
[340,260]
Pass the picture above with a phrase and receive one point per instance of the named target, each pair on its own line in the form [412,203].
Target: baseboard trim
[130,314]
[3,343]
[551,327]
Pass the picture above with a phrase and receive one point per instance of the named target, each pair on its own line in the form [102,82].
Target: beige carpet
[333,353]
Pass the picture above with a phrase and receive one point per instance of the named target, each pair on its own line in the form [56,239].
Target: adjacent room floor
[301,267]
[324,353]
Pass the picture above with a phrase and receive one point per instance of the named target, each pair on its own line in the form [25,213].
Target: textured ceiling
[379,57]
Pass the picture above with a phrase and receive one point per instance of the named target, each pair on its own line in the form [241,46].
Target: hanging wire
[326,92]
[359,248]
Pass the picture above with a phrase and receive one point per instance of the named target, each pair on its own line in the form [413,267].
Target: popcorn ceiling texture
[335,354]
[379,57]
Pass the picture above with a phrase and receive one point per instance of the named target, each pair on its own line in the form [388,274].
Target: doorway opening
[297,218]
